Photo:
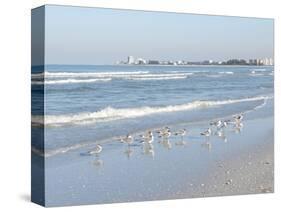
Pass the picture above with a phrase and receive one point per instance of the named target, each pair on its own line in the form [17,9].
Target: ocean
[88,103]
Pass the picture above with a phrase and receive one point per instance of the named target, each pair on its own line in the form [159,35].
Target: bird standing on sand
[128,139]
[149,139]
[167,134]
[224,124]
[218,123]
[207,133]
[146,135]
[162,131]
[97,150]
[181,133]
[238,127]
[238,118]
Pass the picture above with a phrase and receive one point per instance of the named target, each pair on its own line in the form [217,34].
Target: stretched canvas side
[37,106]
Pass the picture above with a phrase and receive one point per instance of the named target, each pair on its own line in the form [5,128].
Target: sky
[80,35]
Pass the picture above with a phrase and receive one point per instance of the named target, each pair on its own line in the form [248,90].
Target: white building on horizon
[140,61]
[271,62]
[267,61]
[131,60]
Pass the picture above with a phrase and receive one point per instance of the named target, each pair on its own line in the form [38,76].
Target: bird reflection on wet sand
[128,152]
[207,145]
[98,162]
[148,149]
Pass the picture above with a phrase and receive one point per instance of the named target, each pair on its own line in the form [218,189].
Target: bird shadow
[85,154]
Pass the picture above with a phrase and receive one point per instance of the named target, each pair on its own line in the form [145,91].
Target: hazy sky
[77,35]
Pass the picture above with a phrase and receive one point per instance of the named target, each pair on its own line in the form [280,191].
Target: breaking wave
[111,114]
[92,74]
[66,81]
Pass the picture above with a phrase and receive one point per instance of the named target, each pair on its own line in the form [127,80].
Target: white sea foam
[261,105]
[92,74]
[188,71]
[226,72]
[83,74]
[66,81]
[214,75]
[110,114]
[257,69]
[141,74]
[256,74]
[63,78]
[156,78]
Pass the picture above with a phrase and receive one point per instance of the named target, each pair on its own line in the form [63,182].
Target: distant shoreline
[199,65]
[154,65]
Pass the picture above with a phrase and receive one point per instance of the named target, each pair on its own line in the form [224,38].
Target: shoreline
[87,143]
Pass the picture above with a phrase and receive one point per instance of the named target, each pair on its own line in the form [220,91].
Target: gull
[223,125]
[181,132]
[149,133]
[228,122]
[97,149]
[238,127]
[218,123]
[163,131]
[167,128]
[127,139]
[207,133]
[238,118]
[149,139]
[166,134]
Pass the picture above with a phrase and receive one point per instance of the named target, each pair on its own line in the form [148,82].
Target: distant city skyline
[131,60]
[80,35]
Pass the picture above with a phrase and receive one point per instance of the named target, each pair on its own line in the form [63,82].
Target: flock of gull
[216,128]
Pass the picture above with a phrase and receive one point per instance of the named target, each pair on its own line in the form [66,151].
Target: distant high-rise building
[256,62]
[153,62]
[260,62]
[131,60]
[179,62]
[266,61]
[271,62]
[140,61]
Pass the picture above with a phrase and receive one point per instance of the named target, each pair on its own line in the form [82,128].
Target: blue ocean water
[88,104]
